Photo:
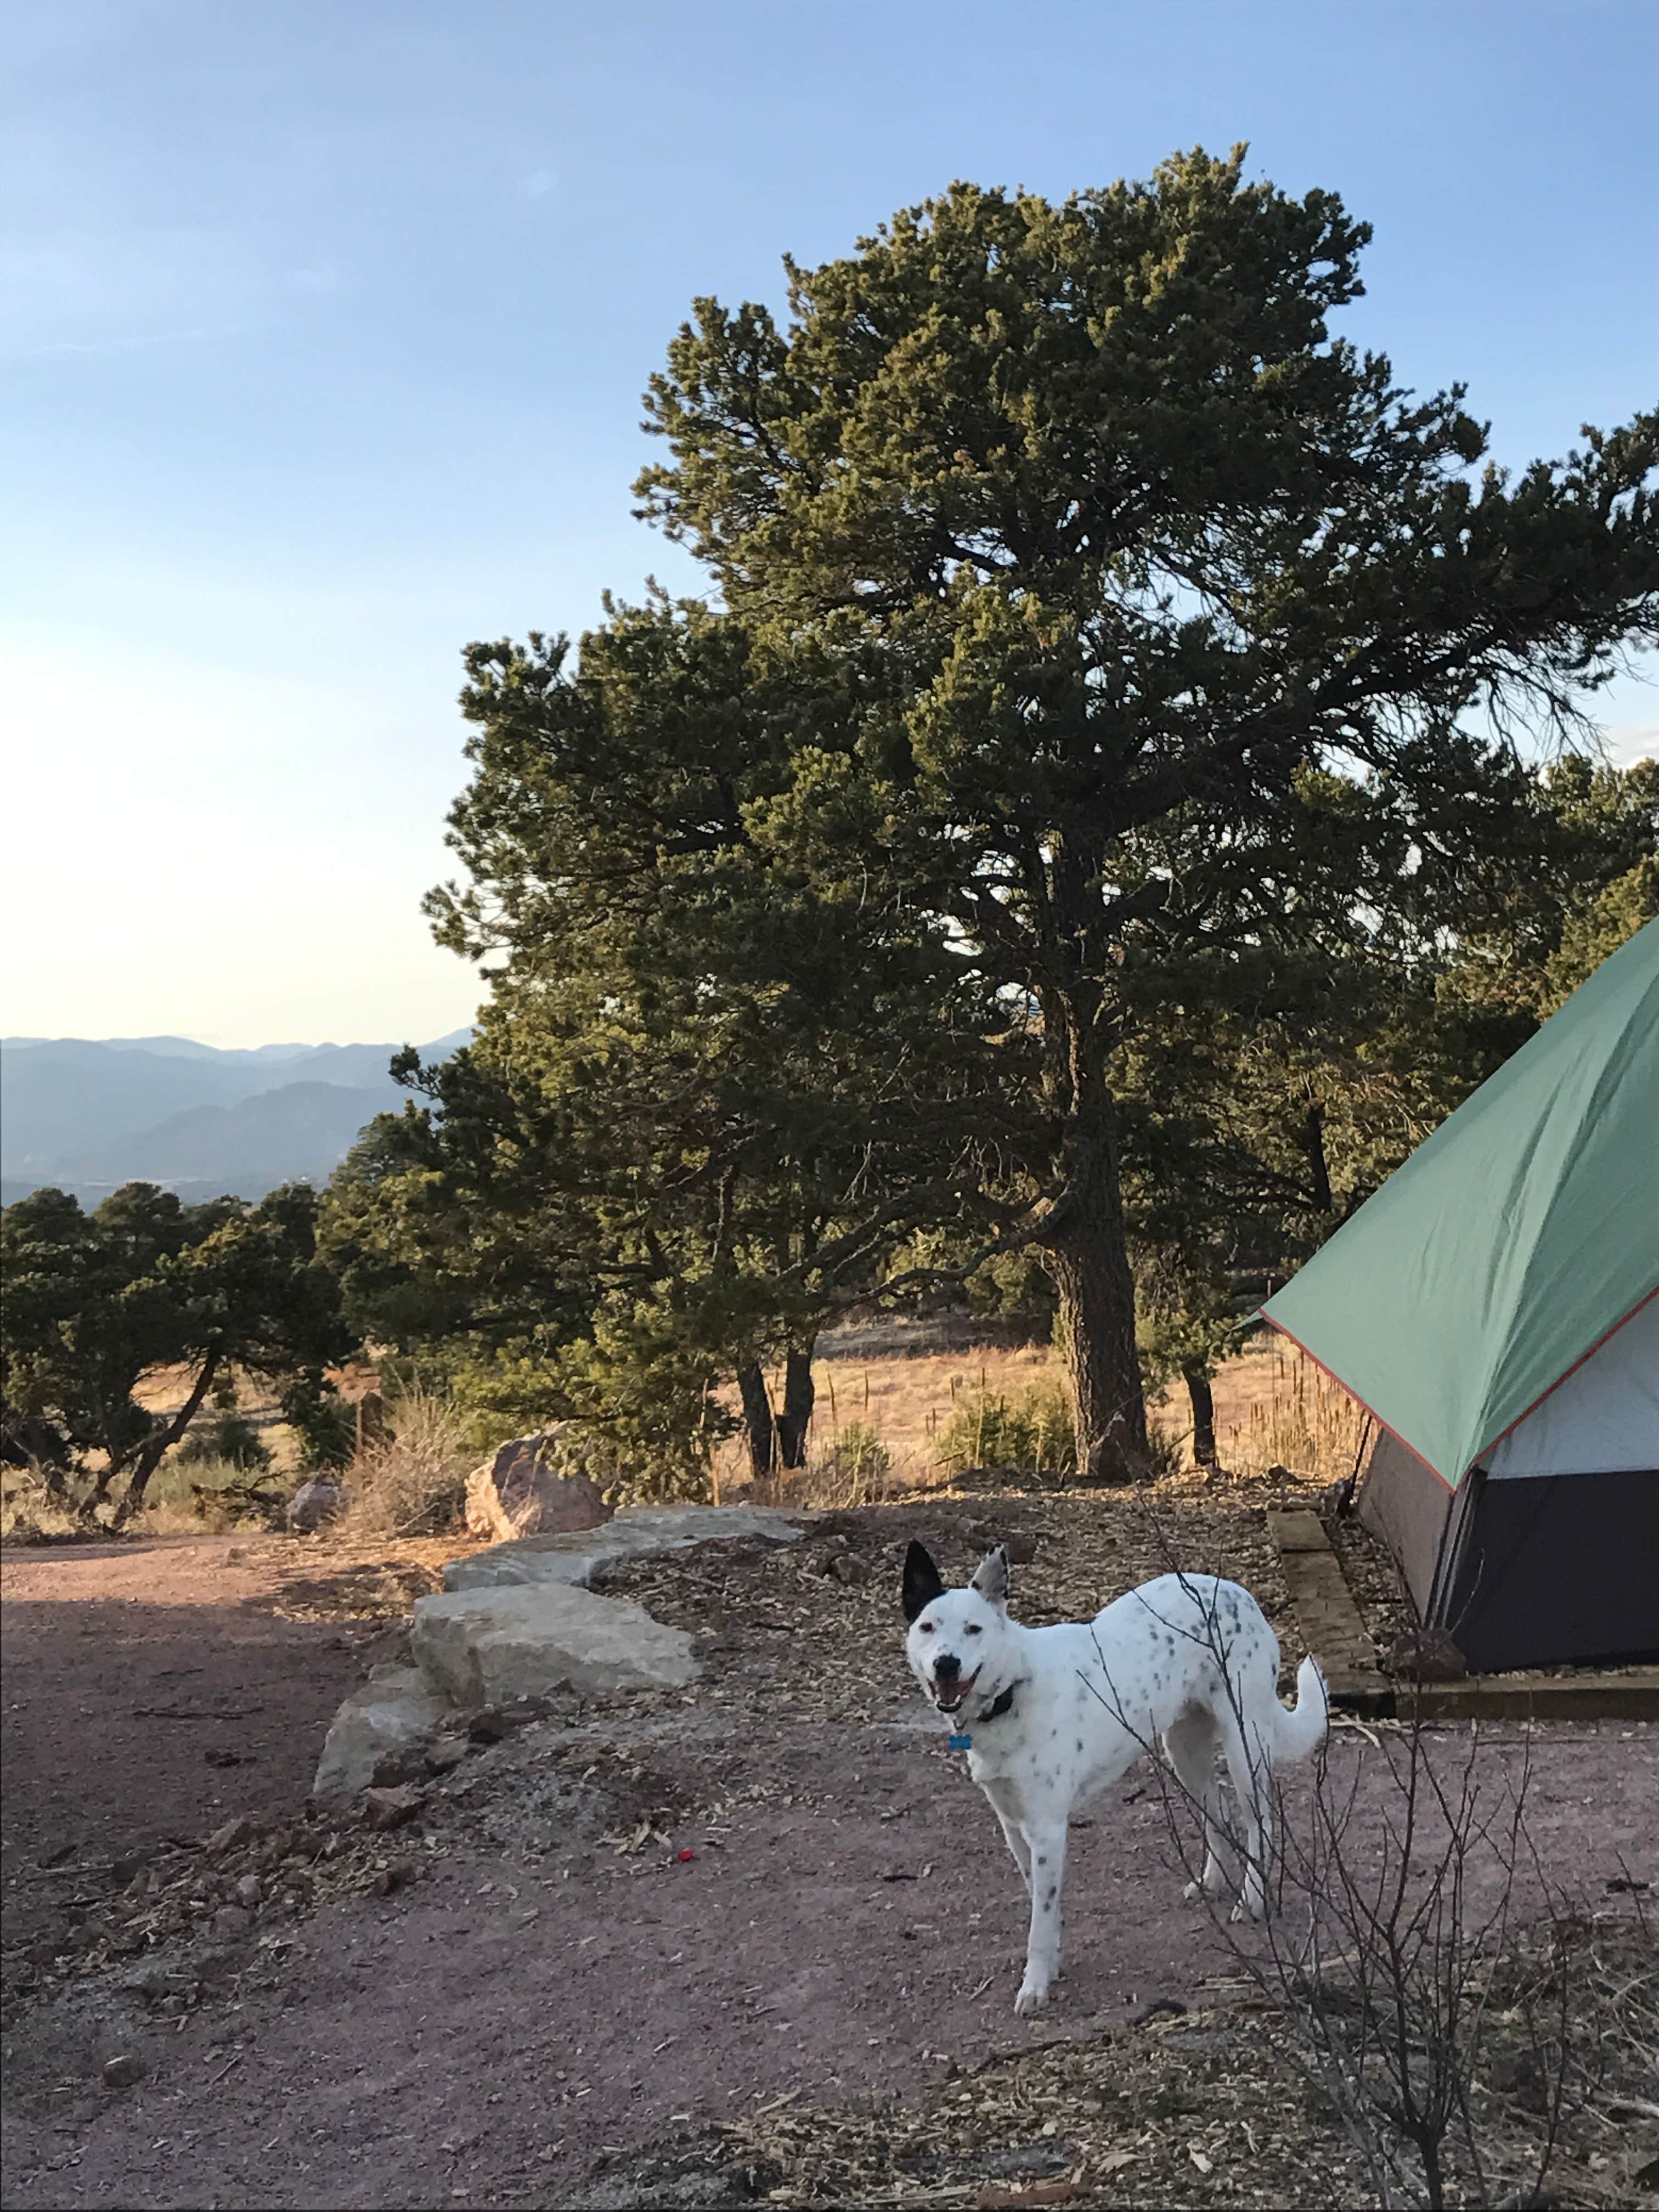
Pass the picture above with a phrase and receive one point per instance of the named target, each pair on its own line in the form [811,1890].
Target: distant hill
[89,1115]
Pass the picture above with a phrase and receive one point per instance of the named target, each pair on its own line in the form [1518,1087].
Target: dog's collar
[962,1739]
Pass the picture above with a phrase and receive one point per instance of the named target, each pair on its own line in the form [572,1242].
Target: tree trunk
[1313,1143]
[1089,1260]
[150,1451]
[1203,1402]
[757,1423]
[798,1402]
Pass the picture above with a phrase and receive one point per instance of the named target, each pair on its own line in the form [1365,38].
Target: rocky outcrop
[581,1558]
[488,1647]
[513,1627]
[520,1491]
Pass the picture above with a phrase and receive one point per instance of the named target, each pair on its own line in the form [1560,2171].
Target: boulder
[490,1646]
[519,1491]
[394,1712]
[315,1503]
[581,1558]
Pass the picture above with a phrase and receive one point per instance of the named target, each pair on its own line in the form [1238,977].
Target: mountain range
[87,1116]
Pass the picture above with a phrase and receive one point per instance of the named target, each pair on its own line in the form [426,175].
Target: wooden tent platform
[1336,1634]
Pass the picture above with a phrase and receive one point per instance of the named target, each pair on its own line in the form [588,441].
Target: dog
[1050,1716]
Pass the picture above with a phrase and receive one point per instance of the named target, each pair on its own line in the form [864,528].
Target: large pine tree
[1165,634]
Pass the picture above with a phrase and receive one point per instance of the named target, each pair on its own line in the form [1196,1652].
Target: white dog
[1050,1716]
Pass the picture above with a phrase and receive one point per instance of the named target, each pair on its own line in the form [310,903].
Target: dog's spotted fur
[1055,1715]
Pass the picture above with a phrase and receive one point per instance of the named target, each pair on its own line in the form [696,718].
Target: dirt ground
[618,1955]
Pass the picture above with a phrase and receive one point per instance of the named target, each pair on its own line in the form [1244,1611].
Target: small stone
[249,1892]
[241,1830]
[847,1567]
[390,1809]
[393,1877]
[405,1764]
[122,2071]
[496,1722]
[444,1758]
[231,1924]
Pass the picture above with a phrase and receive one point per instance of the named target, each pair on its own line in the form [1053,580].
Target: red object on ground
[684,1856]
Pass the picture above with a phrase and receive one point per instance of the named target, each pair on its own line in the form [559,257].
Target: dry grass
[1274,1407]
[906,1400]
[28,1512]
[191,1498]
[412,1481]
[852,1468]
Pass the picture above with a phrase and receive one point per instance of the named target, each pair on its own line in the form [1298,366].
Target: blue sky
[324,327]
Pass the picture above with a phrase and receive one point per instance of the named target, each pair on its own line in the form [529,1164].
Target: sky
[323,325]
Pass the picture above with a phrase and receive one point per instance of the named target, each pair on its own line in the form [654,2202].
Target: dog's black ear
[922,1581]
[991,1580]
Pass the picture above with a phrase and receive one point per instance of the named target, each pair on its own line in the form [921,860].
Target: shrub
[202,1492]
[229,1437]
[853,1469]
[322,1423]
[1031,1428]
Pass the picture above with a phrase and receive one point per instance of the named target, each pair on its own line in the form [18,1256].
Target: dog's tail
[1299,1733]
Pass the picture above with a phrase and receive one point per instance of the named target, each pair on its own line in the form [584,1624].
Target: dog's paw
[1031,1999]
[1248,1908]
[1209,1886]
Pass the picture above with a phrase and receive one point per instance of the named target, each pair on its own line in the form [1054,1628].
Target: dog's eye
[926,1628]
[973,1629]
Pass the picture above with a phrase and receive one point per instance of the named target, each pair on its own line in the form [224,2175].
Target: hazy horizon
[325,333]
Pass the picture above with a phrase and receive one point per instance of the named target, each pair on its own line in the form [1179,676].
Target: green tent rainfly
[1493,1306]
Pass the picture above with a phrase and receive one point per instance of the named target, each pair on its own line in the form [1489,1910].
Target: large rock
[395,1710]
[519,1491]
[580,1559]
[487,1647]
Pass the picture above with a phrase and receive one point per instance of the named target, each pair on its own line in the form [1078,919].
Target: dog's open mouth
[948,1696]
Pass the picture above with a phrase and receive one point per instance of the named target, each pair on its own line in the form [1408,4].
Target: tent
[1495,1308]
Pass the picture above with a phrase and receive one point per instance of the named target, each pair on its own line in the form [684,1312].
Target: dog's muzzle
[950,1690]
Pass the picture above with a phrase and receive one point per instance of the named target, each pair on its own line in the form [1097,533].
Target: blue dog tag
[962,1743]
